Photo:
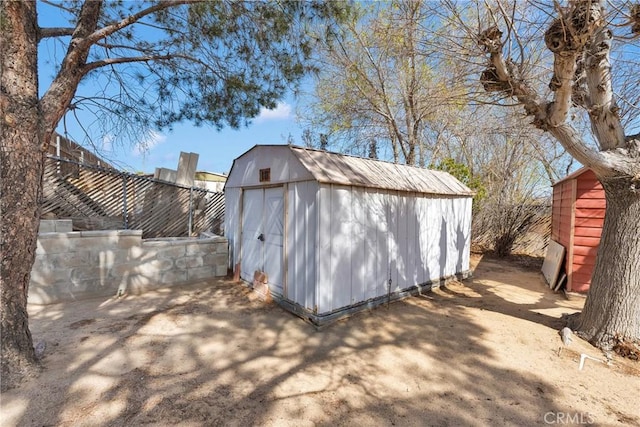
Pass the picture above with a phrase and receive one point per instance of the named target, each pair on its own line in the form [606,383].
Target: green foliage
[211,62]
[464,175]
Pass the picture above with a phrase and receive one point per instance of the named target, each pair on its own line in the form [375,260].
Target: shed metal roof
[335,168]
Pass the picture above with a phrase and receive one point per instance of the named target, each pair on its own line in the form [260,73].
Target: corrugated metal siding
[283,166]
[344,242]
[302,217]
[376,244]
[232,223]
[334,168]
[367,237]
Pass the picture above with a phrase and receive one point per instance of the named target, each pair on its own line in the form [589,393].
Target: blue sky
[217,149]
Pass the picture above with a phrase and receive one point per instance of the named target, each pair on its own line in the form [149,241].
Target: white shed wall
[344,243]
[284,166]
[232,222]
[367,237]
[302,220]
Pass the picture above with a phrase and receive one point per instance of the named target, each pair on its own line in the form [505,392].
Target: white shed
[336,233]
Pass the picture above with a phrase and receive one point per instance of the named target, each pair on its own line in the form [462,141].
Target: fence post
[190,212]
[58,166]
[125,214]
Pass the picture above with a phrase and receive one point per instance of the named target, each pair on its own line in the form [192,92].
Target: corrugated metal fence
[97,198]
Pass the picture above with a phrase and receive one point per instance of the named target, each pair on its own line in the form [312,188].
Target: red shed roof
[572,175]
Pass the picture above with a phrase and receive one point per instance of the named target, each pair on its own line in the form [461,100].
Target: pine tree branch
[124,60]
[110,29]
[44,33]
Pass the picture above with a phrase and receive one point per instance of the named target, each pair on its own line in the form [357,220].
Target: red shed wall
[590,207]
[562,210]
[562,213]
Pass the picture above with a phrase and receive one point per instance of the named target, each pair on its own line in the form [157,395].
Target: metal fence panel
[97,198]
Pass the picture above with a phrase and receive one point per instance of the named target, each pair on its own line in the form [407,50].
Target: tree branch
[44,33]
[84,36]
[57,98]
[108,30]
[573,143]
[124,60]
[566,38]
[500,77]
[603,110]
[580,29]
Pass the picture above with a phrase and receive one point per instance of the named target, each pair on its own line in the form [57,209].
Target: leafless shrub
[497,226]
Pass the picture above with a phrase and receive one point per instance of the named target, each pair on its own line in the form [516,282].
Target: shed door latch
[261,237]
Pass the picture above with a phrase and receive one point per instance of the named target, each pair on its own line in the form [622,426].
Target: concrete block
[198,247]
[88,273]
[119,256]
[63,225]
[79,289]
[44,262]
[127,233]
[111,235]
[138,283]
[156,243]
[170,252]
[222,259]
[222,247]
[215,259]
[142,253]
[127,242]
[55,243]
[66,260]
[151,267]
[200,273]
[48,277]
[100,263]
[221,270]
[55,226]
[125,269]
[47,226]
[173,277]
[106,259]
[189,262]
[95,243]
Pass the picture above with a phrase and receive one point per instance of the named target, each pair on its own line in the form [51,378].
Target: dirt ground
[484,352]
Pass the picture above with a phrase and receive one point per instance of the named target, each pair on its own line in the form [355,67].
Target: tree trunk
[21,166]
[612,310]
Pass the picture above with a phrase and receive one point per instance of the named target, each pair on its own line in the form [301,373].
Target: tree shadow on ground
[511,289]
[210,354]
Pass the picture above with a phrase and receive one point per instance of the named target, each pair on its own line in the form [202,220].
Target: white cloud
[153,139]
[281,112]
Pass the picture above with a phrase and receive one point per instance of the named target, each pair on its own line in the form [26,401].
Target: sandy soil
[485,352]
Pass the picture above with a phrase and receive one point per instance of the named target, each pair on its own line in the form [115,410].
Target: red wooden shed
[577,216]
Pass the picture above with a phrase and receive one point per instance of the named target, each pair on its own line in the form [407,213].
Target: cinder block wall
[86,264]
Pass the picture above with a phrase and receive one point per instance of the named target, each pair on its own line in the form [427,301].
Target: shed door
[263,235]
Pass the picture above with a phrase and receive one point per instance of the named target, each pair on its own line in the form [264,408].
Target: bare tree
[396,76]
[583,37]
[377,81]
